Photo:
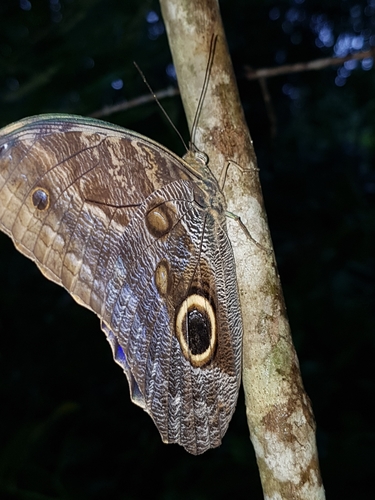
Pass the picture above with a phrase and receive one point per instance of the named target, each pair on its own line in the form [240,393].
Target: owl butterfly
[137,235]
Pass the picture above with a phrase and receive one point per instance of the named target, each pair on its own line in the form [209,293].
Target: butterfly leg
[224,172]
[233,216]
[237,218]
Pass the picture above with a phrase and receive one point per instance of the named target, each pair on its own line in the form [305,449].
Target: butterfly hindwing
[133,233]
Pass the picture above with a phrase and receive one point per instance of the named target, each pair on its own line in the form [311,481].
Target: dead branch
[133,103]
[255,74]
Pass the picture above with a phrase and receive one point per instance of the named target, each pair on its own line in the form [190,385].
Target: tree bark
[280,418]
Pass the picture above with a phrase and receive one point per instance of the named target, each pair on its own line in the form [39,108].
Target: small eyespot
[40,199]
[163,278]
[160,220]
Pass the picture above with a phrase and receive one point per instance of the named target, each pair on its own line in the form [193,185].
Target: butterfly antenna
[205,86]
[160,106]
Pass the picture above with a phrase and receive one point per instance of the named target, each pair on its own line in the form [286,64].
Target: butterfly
[138,235]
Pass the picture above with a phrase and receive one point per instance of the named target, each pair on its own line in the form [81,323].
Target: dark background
[67,427]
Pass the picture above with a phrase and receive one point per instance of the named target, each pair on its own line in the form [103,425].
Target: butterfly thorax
[207,192]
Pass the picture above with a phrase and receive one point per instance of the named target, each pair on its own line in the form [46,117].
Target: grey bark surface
[280,418]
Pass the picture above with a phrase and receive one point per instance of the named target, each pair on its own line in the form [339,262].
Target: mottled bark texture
[281,422]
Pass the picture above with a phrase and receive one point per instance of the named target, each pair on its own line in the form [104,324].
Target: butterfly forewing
[133,233]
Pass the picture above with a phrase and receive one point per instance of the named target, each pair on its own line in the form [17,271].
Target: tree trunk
[280,418]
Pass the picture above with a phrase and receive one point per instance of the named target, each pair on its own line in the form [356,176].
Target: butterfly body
[138,235]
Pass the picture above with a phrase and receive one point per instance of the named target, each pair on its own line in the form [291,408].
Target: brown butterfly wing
[112,217]
[93,179]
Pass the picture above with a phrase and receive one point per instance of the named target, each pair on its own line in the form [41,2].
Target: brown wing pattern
[113,217]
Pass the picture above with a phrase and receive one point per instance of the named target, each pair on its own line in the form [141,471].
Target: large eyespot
[163,278]
[160,220]
[40,198]
[196,329]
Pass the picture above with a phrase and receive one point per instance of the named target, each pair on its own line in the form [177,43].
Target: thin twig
[255,74]
[250,74]
[133,103]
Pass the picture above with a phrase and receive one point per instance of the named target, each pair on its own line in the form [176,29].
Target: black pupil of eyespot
[199,332]
[40,199]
